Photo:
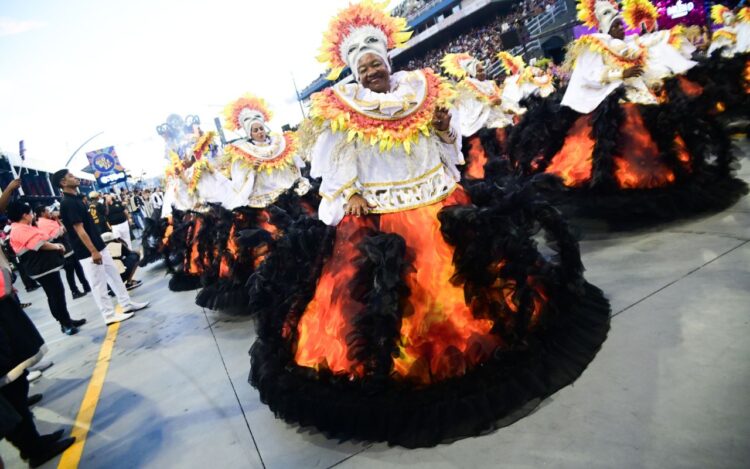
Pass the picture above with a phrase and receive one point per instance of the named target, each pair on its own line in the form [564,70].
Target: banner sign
[106,166]
[671,13]
[674,12]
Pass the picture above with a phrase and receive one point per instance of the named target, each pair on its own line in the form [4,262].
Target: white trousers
[122,231]
[99,276]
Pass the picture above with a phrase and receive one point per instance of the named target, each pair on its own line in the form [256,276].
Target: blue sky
[70,69]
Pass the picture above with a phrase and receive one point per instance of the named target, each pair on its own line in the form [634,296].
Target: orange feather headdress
[248,106]
[512,64]
[717,13]
[353,25]
[640,12]
[459,65]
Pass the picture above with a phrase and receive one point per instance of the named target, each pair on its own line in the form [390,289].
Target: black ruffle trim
[231,294]
[420,417]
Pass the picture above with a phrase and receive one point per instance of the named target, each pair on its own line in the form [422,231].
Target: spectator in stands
[43,260]
[118,218]
[50,225]
[98,212]
[97,263]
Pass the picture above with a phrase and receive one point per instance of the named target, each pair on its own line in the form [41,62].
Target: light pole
[82,145]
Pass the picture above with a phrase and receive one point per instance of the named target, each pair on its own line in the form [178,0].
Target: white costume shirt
[476,112]
[593,80]
[258,187]
[729,46]
[663,59]
[390,180]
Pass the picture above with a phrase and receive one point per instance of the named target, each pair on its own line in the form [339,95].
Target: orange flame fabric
[573,162]
[477,158]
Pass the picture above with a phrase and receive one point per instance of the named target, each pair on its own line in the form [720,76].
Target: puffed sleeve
[243,181]
[335,162]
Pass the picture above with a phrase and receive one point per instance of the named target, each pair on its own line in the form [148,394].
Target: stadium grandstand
[532,28]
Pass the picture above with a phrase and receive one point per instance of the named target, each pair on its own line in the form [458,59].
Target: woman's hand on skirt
[357,206]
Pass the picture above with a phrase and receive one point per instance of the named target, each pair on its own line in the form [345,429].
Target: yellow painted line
[72,456]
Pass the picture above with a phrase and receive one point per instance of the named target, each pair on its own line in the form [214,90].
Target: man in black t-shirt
[118,218]
[97,263]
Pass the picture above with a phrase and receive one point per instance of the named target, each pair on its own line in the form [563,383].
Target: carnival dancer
[724,39]
[267,187]
[615,159]
[664,56]
[208,190]
[478,106]
[414,317]
[179,137]
[727,69]
[523,81]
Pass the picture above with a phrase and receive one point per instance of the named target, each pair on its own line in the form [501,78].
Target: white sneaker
[119,317]
[135,306]
[33,375]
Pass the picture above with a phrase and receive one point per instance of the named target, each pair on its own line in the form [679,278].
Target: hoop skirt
[421,326]
[243,238]
[630,163]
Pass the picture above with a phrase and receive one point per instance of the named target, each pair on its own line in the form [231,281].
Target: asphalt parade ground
[669,387]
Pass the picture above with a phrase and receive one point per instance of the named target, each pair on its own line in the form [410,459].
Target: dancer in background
[479,109]
[269,192]
[619,150]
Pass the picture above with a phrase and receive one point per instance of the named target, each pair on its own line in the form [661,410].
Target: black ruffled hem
[224,295]
[399,414]
[630,208]
[180,281]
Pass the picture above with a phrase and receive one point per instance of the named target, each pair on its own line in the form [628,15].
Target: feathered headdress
[640,12]
[717,13]
[460,65]
[599,14]
[248,107]
[512,64]
[359,28]
[744,15]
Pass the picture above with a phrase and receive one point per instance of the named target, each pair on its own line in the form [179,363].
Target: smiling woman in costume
[414,317]
[268,186]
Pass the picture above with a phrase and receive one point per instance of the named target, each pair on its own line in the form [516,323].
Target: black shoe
[34,399]
[50,451]
[44,441]
[77,322]
[78,294]
[70,329]
[32,288]
[133,284]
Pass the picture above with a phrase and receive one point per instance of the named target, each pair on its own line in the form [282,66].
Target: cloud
[10,26]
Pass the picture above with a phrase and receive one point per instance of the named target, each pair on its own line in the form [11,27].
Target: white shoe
[119,317]
[33,375]
[135,306]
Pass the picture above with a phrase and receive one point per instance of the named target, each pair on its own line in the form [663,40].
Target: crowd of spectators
[485,40]
[410,8]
